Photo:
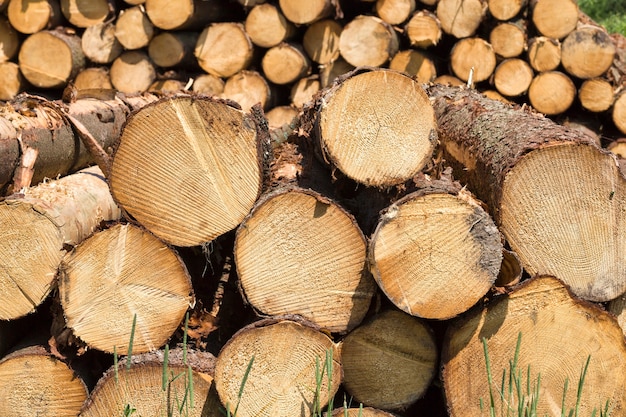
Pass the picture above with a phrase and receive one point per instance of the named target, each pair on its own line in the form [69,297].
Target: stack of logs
[373,245]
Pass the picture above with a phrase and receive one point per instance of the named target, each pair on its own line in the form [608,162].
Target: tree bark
[554,194]
[535,311]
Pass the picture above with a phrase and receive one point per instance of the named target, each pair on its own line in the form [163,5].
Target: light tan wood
[543,14]
[512,77]
[34,16]
[132,72]
[203,177]
[506,9]
[85,13]
[280,115]
[321,41]
[395,12]
[447,79]
[186,14]
[12,80]
[248,88]
[618,147]
[368,41]
[285,63]
[49,59]
[173,49]
[587,52]
[389,361]
[281,381]
[134,2]
[133,29]
[304,89]
[495,95]
[208,84]
[331,290]
[93,78]
[544,54]
[267,26]
[224,49]
[596,95]
[9,40]
[423,29]
[360,412]
[461,18]
[508,39]
[536,312]
[416,63]
[99,43]
[551,92]
[306,13]
[619,113]
[332,70]
[167,86]
[473,55]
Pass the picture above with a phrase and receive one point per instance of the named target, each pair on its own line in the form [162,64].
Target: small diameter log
[34,16]
[174,49]
[461,18]
[33,382]
[331,71]
[132,72]
[248,88]
[13,81]
[99,43]
[285,63]
[513,77]
[558,335]
[424,29]
[317,255]
[473,55]
[37,225]
[94,78]
[280,115]
[619,112]
[188,168]
[415,63]
[321,41]
[543,14]
[587,52]
[304,90]
[494,95]
[187,14]
[449,237]
[510,271]
[449,80]
[506,9]
[208,84]
[596,95]
[373,140]
[49,59]
[544,54]
[618,147]
[140,386]
[224,49]
[309,12]
[167,86]
[551,92]
[267,26]
[85,13]
[555,195]
[368,41]
[282,357]
[133,28]
[360,412]
[508,39]
[389,362]
[9,40]
[394,12]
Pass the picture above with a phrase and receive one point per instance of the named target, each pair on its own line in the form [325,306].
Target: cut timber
[618,147]
[619,113]
[449,238]
[544,54]
[285,63]
[132,72]
[13,82]
[133,29]
[34,16]
[558,334]
[106,282]
[140,386]
[461,18]
[373,140]
[543,14]
[506,9]
[317,254]
[360,412]
[167,86]
[331,71]
[368,41]
[208,84]
[224,49]
[281,115]
[424,29]
[9,40]
[38,225]
[99,43]
[173,49]
[450,80]
[49,59]
[282,357]
[321,41]
[512,77]
[596,95]
[93,78]
[390,361]
[186,14]
[551,92]
[85,13]
[557,197]
[188,168]
[415,63]
[304,90]
[267,26]
[395,12]
[508,39]
[248,88]
[306,13]
[587,52]
[473,55]
[35,383]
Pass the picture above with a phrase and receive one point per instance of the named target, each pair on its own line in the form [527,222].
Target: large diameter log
[544,11]
[317,253]
[556,197]
[38,225]
[558,335]
[188,169]
[587,52]
[427,242]
[33,382]
[372,139]
[282,357]
[390,361]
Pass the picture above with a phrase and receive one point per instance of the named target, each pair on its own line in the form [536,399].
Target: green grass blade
[565,387]
[117,378]
[243,384]
[165,373]
[492,403]
[131,341]
[581,383]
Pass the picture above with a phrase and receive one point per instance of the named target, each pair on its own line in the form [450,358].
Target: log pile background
[282,243]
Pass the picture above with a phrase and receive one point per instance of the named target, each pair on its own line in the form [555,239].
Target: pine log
[309,12]
[317,254]
[415,63]
[173,49]
[304,90]
[93,78]
[167,86]
[267,26]
[280,115]
[449,80]
[473,56]
[494,95]
[395,12]
[596,95]
[99,43]
[543,14]
[373,140]
[139,388]
[557,335]
[9,40]
[555,195]
[321,41]
[282,357]
[331,71]
[248,88]
[618,147]
[85,13]
[285,63]
[587,52]
[360,412]
[390,361]
[208,84]
[510,271]
[133,29]
[224,49]
[189,14]
[34,16]
[13,81]
[508,39]
[423,29]
[33,382]
[513,77]
[38,225]
[618,113]
[368,41]
[461,18]
[197,181]
[551,92]
[132,72]
[506,9]
[49,59]
[449,237]
[544,54]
